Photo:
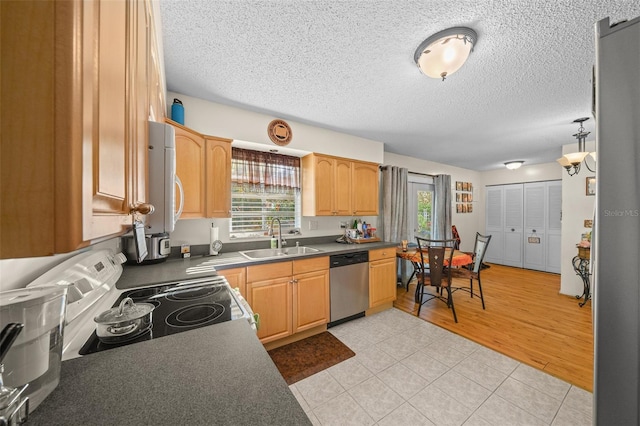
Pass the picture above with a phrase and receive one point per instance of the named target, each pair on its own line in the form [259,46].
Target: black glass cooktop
[178,307]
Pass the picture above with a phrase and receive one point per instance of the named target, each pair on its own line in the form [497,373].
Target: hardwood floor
[525,318]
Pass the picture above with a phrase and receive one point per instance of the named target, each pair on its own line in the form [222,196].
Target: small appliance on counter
[34,358]
[158,248]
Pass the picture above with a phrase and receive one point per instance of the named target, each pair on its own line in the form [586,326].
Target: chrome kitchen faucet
[281,241]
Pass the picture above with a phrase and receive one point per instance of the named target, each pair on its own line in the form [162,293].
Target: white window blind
[264,186]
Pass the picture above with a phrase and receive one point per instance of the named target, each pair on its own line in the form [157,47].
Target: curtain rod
[413,173]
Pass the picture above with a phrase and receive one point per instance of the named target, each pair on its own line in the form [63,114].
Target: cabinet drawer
[310,265]
[269,271]
[383,253]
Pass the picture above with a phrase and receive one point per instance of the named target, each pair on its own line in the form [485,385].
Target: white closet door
[494,213]
[554,226]
[513,221]
[534,225]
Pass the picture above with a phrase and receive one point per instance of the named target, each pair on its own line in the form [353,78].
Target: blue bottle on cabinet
[177,111]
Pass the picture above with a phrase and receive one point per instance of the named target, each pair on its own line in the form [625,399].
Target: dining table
[412,254]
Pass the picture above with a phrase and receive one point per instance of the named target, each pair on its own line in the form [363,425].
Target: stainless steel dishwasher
[349,286]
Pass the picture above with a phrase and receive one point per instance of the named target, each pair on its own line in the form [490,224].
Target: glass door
[420,210]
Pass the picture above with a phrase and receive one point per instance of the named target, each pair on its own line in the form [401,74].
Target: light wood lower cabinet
[236,278]
[290,297]
[382,276]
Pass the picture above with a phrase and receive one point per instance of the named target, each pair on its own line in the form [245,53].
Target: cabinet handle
[533,230]
[512,230]
[142,208]
[294,282]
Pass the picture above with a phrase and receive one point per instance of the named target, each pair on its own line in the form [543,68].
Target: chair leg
[450,303]
[419,300]
[413,274]
[481,295]
[471,286]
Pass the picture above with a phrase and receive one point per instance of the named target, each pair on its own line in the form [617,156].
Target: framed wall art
[591,185]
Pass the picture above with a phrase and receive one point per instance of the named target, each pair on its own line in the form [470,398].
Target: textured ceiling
[348,66]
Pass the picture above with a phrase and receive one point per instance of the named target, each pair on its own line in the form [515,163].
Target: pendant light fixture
[445,52]
[571,162]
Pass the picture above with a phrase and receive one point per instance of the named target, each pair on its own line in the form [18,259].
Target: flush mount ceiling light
[512,165]
[571,162]
[445,52]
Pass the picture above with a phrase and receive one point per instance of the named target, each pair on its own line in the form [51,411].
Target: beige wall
[239,124]
[576,207]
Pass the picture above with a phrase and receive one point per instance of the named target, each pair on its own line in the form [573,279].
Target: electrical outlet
[343,225]
[313,225]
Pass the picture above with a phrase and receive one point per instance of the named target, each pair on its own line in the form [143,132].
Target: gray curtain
[394,203]
[442,207]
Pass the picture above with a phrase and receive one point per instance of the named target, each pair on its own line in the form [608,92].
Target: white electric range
[183,305]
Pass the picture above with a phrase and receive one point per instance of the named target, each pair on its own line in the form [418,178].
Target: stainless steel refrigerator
[616,247]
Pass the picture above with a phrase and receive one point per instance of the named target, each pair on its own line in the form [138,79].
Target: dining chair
[472,271]
[434,272]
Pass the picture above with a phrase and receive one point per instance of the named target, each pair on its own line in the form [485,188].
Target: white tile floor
[409,372]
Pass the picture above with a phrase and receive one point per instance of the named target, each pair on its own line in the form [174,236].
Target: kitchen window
[264,186]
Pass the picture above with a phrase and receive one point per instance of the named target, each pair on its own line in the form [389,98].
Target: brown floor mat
[301,359]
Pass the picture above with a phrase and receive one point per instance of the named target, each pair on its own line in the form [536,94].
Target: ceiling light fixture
[571,162]
[445,52]
[512,165]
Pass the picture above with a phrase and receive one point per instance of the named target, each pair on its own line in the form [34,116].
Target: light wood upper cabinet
[343,187]
[190,168]
[382,276]
[203,164]
[218,172]
[365,188]
[75,104]
[334,186]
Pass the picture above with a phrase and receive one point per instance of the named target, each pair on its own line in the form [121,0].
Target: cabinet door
[535,238]
[310,300]
[342,188]
[105,97]
[513,225]
[324,184]
[190,168]
[236,278]
[365,189]
[139,111]
[271,300]
[218,182]
[382,282]
[157,101]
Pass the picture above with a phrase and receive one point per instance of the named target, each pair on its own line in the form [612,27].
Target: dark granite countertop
[217,375]
[211,375]
[175,269]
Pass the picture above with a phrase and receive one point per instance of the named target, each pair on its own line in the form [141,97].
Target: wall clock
[279,132]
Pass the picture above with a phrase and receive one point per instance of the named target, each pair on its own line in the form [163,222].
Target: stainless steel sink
[273,253]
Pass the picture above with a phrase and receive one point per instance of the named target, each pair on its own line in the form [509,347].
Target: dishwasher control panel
[348,258]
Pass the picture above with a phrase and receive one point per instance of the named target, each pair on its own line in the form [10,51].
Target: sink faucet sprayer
[281,241]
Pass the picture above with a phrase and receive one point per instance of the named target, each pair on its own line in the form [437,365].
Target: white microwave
[163,179]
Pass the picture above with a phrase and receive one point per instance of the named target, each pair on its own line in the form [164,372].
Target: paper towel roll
[213,236]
